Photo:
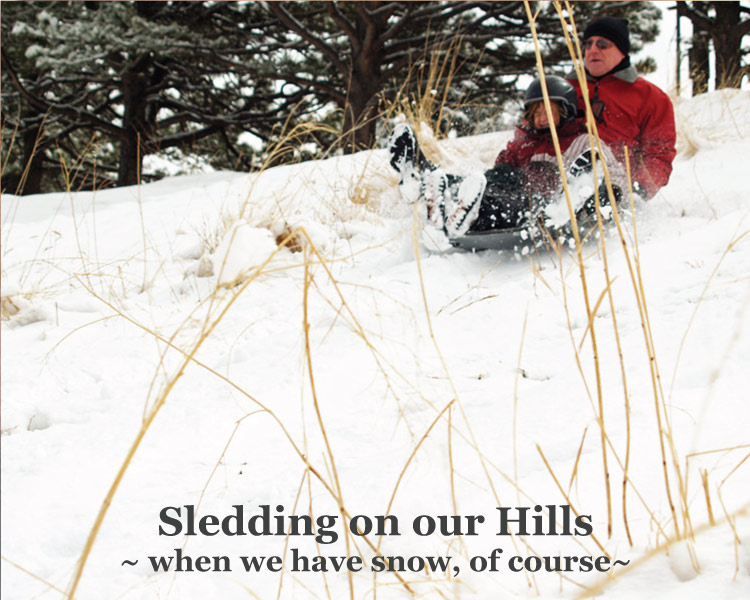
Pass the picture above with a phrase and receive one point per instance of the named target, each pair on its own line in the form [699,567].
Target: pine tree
[101,85]
[143,76]
[354,55]
[29,131]
[725,24]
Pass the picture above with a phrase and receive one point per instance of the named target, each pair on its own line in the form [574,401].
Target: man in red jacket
[629,110]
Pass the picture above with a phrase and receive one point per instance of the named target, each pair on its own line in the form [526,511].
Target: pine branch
[345,25]
[65,109]
[183,139]
[278,9]
[699,19]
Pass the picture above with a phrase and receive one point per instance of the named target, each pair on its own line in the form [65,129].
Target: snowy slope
[380,371]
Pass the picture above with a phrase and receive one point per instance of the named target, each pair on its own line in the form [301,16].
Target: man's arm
[651,164]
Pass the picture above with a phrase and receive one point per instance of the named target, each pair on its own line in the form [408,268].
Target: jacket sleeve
[651,162]
[513,153]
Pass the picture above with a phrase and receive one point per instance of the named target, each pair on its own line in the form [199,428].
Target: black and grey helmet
[560,90]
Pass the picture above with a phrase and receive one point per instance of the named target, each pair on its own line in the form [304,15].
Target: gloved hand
[589,207]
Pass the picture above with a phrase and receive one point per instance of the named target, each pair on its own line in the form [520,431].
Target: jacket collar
[628,74]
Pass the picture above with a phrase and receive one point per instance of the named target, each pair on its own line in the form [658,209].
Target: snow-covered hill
[376,371]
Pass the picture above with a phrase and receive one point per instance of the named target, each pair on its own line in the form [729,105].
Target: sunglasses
[601,44]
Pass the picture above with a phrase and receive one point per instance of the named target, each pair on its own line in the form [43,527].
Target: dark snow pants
[506,201]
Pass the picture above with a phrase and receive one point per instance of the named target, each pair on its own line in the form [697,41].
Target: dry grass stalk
[311,376]
[731,520]
[704,480]
[149,417]
[51,586]
[429,107]
[594,139]
[454,501]
[140,213]
[567,498]
[654,370]
[310,511]
[515,401]
[556,250]
[429,429]
[578,254]
[733,471]
[738,237]
[578,459]
[430,104]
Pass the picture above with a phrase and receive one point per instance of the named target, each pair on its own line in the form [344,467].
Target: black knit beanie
[613,29]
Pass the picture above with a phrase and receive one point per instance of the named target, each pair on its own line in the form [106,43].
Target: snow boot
[406,156]
[435,192]
[402,146]
[461,213]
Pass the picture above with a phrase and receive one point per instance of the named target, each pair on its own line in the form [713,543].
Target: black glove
[589,207]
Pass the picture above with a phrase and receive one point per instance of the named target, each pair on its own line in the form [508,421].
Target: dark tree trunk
[360,115]
[727,39]
[130,160]
[364,79]
[134,137]
[32,162]
[699,65]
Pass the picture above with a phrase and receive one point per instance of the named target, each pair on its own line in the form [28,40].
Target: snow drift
[160,338]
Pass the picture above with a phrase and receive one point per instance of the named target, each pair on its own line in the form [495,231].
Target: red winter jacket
[637,114]
[529,145]
[534,153]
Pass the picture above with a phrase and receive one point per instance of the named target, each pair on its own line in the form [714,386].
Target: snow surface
[440,377]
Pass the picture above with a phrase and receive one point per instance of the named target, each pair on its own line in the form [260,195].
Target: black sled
[516,239]
[525,238]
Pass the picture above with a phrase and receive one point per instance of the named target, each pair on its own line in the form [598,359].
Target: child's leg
[505,202]
[460,211]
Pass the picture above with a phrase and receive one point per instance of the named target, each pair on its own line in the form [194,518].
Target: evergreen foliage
[98,86]
[123,80]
